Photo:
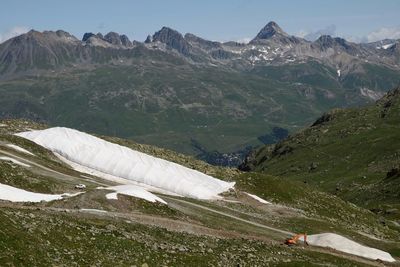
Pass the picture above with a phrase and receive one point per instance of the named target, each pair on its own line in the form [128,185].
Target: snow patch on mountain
[371,94]
[387,46]
[126,164]
[346,245]
[14,194]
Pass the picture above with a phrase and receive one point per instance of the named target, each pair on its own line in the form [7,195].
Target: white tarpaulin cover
[120,161]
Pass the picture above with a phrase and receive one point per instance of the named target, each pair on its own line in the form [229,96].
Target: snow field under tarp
[120,161]
[346,245]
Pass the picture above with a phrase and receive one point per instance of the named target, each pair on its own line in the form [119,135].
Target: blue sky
[215,20]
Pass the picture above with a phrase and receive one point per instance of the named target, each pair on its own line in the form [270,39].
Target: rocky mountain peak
[61,33]
[167,33]
[270,30]
[87,35]
[173,39]
[274,35]
[116,39]
[327,41]
[59,36]
[125,40]
[113,38]
[148,40]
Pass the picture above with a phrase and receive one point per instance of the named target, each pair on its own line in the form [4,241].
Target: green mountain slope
[173,104]
[352,153]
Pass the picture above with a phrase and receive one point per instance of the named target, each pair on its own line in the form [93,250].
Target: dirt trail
[286,233]
[193,228]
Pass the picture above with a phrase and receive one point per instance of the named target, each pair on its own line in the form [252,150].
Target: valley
[186,93]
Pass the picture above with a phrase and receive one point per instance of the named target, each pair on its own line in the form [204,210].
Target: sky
[219,20]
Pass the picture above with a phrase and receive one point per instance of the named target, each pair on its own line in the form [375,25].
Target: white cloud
[384,33]
[302,33]
[244,40]
[314,35]
[12,32]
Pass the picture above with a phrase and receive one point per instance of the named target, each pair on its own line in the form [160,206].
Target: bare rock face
[206,44]
[172,39]
[111,39]
[87,35]
[338,44]
[116,39]
[35,49]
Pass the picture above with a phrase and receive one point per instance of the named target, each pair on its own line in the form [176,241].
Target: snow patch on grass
[14,194]
[93,210]
[132,190]
[20,149]
[258,198]
[15,161]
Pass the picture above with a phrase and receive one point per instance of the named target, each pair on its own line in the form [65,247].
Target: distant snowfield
[94,154]
[346,245]
[20,149]
[371,94]
[14,194]
[387,46]
[15,161]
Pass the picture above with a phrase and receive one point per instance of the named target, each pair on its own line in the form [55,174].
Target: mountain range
[316,120]
[210,99]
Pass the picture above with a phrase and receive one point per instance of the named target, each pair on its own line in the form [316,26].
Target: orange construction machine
[294,239]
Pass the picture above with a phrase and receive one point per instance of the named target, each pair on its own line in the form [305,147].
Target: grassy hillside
[184,232]
[352,153]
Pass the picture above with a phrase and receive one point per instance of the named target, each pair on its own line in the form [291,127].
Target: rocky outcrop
[172,39]
[116,39]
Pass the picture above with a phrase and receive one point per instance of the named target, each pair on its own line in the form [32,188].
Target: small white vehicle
[80,186]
